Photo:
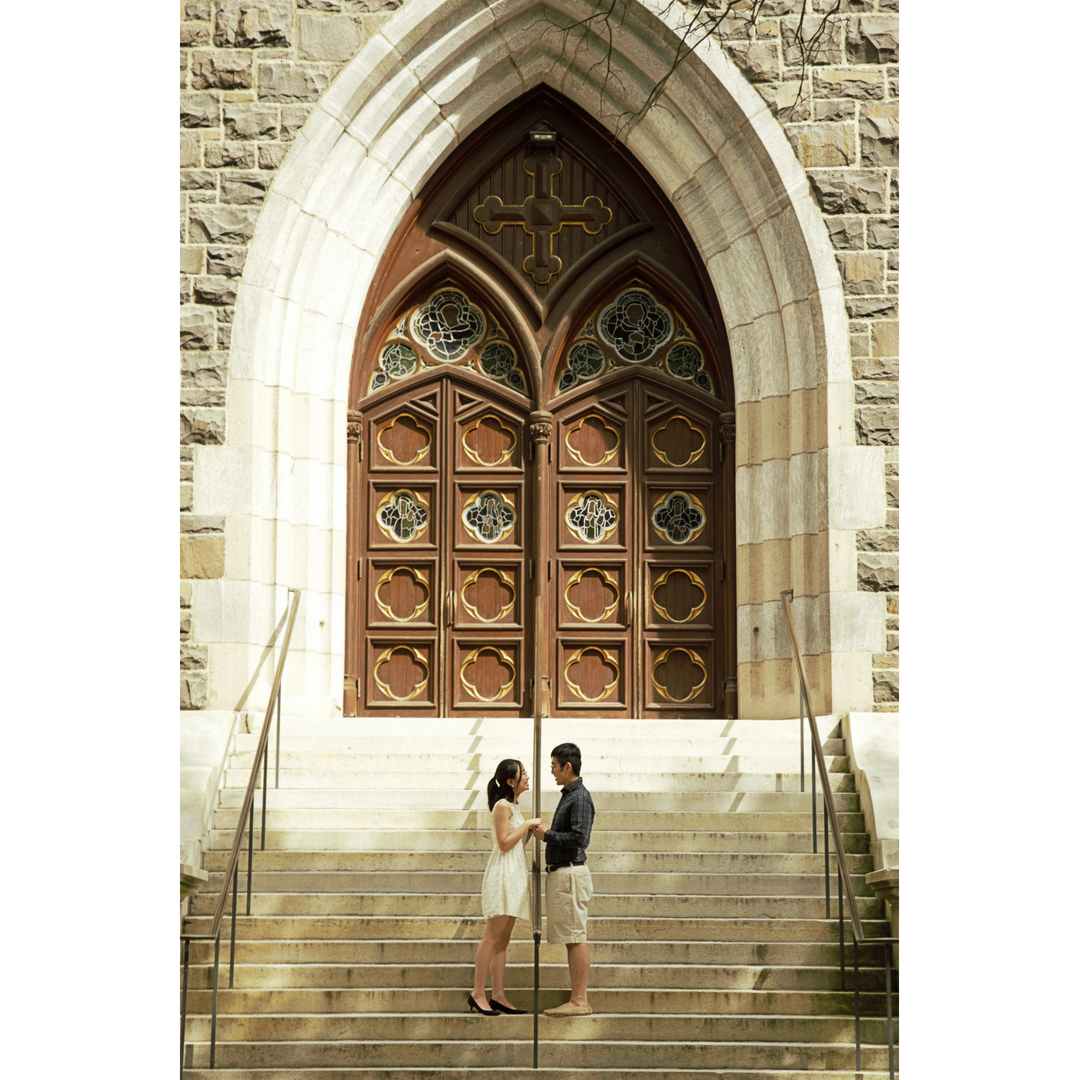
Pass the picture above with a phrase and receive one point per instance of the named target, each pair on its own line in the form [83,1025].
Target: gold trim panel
[507,455]
[426,428]
[504,578]
[472,658]
[694,580]
[693,427]
[695,659]
[577,427]
[384,658]
[387,575]
[576,657]
[609,610]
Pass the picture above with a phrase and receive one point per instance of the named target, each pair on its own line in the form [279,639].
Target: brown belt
[564,865]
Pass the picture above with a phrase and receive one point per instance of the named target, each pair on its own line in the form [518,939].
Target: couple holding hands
[568,884]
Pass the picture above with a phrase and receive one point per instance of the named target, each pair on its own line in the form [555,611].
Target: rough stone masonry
[250,72]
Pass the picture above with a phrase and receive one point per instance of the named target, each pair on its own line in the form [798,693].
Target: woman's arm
[508,840]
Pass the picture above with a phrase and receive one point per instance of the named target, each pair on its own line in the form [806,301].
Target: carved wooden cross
[542,215]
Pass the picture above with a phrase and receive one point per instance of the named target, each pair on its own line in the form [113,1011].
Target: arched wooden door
[541,507]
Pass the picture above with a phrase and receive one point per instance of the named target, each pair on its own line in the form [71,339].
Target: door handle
[450,605]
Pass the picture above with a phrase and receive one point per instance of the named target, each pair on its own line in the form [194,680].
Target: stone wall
[841,114]
[250,73]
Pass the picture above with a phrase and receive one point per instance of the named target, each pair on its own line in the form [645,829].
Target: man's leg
[577,957]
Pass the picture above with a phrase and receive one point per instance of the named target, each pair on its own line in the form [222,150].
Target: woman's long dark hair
[499,785]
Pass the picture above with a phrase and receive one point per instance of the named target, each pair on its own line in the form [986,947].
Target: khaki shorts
[567,895]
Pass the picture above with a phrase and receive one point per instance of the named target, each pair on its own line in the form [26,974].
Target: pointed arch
[435,72]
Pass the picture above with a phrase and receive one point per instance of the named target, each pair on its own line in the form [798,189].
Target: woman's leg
[484,951]
[498,963]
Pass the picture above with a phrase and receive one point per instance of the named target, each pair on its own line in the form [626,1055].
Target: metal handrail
[232,869]
[844,885]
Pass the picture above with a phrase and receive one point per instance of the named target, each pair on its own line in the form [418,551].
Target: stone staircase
[711,955]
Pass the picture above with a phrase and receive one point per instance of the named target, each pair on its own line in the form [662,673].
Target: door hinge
[360,446]
[549,569]
[359,569]
[723,566]
[531,568]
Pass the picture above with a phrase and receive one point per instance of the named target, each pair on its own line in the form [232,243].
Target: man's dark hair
[565,752]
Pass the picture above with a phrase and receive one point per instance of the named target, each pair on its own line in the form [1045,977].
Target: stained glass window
[488,517]
[592,517]
[635,325]
[447,325]
[679,517]
[402,517]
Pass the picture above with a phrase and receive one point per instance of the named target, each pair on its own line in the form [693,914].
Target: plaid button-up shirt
[571,826]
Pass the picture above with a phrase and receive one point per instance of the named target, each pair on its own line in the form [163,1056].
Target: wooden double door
[570,560]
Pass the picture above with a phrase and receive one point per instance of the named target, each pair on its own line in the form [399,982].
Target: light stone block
[857,622]
[476,87]
[251,551]
[330,283]
[677,150]
[840,398]
[369,211]
[423,155]
[743,283]
[323,348]
[835,326]
[770,355]
[307,492]
[236,480]
[856,487]
[852,682]
[431,46]
[394,95]
[789,261]
[803,344]
[711,210]
[296,251]
[263,263]
[873,745]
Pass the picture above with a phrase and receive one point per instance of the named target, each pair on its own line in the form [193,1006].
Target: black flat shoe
[482,1012]
[498,1007]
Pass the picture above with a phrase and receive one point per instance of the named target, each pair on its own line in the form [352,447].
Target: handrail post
[251,856]
[825,837]
[266,780]
[841,895]
[888,1007]
[232,939]
[213,1015]
[183,1005]
[858,1039]
[802,743]
[277,744]
[540,423]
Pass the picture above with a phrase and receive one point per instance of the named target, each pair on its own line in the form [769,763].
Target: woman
[505,893]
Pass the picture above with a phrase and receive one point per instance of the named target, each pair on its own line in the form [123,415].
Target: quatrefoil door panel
[639,530]
[443,566]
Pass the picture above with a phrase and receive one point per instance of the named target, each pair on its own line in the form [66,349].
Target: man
[568,884]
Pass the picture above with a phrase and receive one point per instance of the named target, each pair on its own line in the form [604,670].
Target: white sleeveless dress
[506,880]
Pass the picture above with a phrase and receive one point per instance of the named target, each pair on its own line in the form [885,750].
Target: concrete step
[496,747]
[405,764]
[459,1025]
[437,882]
[520,952]
[600,862]
[741,776]
[580,730]
[498,1073]
[475,798]
[612,928]
[606,820]
[519,977]
[421,1001]
[474,840]
[580,1042]
[613,905]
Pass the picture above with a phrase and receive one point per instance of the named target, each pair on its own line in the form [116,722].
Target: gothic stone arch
[435,72]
